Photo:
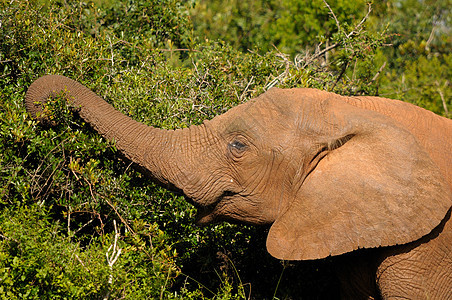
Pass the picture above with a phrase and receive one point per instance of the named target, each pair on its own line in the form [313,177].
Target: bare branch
[442,97]
[430,38]
[8,238]
[118,214]
[344,68]
[111,259]
[355,31]
[334,16]
[84,225]
[328,48]
[242,96]
[281,77]
[81,262]
[357,28]
[377,74]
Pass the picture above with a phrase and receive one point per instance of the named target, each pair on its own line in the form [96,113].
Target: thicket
[77,222]
[414,64]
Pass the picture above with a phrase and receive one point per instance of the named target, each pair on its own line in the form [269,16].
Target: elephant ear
[378,188]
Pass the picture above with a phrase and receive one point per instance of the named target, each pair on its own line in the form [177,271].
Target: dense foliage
[414,64]
[77,222]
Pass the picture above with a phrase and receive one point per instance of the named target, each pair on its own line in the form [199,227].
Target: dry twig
[111,259]
[309,59]
[333,14]
[442,97]
[377,74]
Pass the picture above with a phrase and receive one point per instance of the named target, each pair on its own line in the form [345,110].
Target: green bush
[38,261]
[290,25]
[68,175]
[415,33]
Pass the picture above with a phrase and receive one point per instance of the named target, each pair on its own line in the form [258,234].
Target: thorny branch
[358,27]
[283,75]
[355,31]
[301,62]
[92,192]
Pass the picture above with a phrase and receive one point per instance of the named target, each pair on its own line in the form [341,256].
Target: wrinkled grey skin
[330,174]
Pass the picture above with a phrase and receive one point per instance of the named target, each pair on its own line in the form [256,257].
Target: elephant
[363,179]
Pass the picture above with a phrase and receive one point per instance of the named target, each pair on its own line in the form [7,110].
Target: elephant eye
[237,147]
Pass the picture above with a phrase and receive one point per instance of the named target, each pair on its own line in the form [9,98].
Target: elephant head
[329,176]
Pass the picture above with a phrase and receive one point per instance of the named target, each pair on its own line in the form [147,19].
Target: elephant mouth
[209,213]
[205,215]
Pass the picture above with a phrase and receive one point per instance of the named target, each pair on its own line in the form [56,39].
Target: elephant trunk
[153,150]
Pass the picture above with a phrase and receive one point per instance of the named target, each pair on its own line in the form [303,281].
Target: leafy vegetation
[69,206]
[419,60]
[406,48]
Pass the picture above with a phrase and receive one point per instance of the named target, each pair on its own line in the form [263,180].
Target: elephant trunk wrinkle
[195,147]
[144,145]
